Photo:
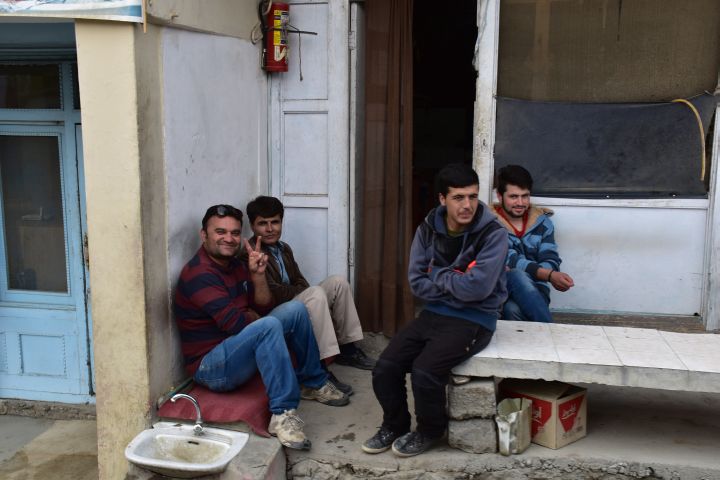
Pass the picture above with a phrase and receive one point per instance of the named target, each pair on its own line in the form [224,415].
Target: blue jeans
[525,301]
[262,346]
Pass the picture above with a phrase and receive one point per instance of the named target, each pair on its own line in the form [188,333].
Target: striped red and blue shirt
[212,303]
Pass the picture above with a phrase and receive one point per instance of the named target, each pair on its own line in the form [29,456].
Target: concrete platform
[632,433]
[618,356]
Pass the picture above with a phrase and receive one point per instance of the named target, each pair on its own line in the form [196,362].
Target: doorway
[444,94]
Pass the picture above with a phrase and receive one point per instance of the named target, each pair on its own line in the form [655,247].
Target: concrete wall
[173,121]
[215,132]
[107,74]
[164,365]
[234,18]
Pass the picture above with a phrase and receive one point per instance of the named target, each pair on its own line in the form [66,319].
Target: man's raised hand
[257,260]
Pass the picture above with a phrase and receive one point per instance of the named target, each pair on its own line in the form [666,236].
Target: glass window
[32,211]
[586,91]
[30,86]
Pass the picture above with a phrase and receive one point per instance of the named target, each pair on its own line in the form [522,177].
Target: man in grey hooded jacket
[457,268]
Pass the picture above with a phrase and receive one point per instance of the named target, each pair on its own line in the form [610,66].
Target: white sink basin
[173,449]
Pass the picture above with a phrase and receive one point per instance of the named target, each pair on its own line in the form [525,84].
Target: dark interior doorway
[444,38]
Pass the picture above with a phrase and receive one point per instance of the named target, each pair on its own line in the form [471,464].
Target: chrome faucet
[198,428]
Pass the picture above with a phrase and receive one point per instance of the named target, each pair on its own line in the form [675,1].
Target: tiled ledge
[631,357]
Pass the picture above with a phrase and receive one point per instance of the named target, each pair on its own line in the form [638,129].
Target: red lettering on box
[568,412]
[541,412]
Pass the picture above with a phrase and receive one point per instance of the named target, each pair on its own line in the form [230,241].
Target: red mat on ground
[248,404]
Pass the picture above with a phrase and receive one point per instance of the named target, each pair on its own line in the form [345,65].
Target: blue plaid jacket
[536,248]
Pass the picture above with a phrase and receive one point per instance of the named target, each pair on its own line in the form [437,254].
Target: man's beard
[511,214]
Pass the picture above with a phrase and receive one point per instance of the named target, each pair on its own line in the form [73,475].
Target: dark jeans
[428,348]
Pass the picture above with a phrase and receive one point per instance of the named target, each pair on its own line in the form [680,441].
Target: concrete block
[476,399]
[477,435]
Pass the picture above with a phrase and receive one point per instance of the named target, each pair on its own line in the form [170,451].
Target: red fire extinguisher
[276,38]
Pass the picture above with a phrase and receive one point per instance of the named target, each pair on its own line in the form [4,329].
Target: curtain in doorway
[384,298]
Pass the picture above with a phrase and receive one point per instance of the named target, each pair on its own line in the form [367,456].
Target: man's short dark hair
[222,211]
[264,206]
[455,175]
[513,175]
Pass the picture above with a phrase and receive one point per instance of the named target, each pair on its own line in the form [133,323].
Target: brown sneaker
[287,427]
[327,394]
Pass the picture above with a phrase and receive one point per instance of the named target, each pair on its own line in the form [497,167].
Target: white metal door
[309,139]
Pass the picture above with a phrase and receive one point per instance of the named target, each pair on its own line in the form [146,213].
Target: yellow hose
[702,133]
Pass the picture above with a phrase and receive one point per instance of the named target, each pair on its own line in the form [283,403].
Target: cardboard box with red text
[559,410]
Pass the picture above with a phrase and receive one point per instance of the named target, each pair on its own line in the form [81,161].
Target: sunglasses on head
[224,211]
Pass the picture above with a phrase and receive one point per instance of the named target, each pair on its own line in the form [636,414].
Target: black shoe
[413,443]
[381,441]
[343,387]
[357,359]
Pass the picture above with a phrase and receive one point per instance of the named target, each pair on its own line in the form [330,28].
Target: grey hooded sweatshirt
[462,276]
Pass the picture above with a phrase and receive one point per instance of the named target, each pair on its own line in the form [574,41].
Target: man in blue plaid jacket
[533,261]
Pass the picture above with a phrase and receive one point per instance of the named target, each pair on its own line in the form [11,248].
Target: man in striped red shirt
[229,331]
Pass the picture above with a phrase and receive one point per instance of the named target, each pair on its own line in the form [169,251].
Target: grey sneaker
[381,441]
[413,443]
[288,428]
[327,394]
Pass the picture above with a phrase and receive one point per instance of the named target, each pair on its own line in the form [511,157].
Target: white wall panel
[644,260]
[305,170]
[311,50]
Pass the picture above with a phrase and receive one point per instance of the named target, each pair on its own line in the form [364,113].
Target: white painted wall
[215,117]
[631,259]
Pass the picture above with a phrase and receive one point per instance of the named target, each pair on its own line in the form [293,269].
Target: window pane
[32,213]
[585,90]
[30,86]
[606,149]
[608,50]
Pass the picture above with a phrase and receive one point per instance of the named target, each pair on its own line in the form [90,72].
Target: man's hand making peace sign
[257,263]
[257,260]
